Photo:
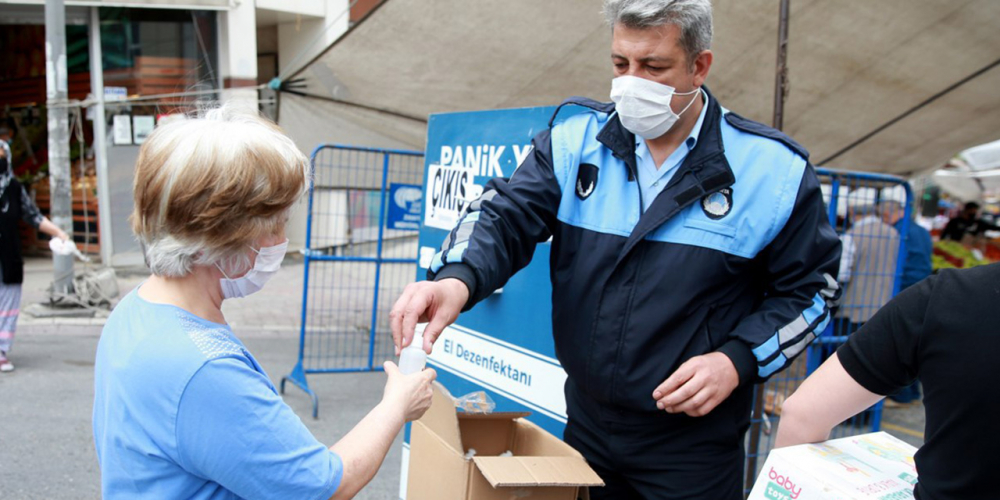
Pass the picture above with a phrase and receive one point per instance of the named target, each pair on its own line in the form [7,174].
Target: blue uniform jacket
[735,254]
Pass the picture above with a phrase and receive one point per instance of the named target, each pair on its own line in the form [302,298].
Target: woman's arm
[363,449]
[31,215]
[52,230]
[828,397]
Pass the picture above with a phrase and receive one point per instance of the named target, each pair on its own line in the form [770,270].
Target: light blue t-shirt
[182,410]
[651,179]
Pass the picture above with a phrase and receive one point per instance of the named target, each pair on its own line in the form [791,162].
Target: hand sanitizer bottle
[413,358]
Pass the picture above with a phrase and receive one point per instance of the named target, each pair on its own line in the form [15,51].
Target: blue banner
[503,345]
[404,207]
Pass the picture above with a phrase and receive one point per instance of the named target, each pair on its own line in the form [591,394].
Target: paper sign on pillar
[873,466]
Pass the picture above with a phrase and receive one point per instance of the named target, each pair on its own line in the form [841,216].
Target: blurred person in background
[967,223]
[942,331]
[868,260]
[5,137]
[181,407]
[916,267]
[15,205]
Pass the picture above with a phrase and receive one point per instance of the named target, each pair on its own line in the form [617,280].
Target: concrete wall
[300,41]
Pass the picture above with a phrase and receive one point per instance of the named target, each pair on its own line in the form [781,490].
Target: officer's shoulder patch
[586,180]
[762,130]
[600,107]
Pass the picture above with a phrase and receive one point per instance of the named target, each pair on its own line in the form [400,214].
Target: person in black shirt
[967,222]
[946,331]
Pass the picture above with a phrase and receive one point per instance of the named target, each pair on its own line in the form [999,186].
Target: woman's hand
[47,227]
[411,394]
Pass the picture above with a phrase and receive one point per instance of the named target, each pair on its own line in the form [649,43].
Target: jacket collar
[621,142]
[705,170]
[708,154]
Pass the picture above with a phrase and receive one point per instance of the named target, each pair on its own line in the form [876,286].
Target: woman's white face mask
[264,267]
[644,105]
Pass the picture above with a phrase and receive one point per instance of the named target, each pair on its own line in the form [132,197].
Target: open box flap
[497,415]
[441,419]
[537,471]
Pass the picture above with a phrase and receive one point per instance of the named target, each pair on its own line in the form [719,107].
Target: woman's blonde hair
[208,187]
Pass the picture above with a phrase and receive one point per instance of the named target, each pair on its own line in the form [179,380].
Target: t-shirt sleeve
[233,429]
[883,355]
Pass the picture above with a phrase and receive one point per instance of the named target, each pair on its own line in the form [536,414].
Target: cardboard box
[542,466]
[866,467]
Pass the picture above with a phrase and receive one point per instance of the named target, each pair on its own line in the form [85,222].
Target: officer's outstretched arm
[495,238]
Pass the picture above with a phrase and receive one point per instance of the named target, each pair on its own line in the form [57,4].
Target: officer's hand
[434,302]
[698,386]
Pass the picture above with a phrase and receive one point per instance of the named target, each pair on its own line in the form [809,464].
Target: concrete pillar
[100,138]
[238,53]
[60,182]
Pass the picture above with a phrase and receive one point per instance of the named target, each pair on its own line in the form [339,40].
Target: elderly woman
[181,408]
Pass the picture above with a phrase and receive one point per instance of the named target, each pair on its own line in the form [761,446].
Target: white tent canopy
[982,157]
[969,185]
[894,86]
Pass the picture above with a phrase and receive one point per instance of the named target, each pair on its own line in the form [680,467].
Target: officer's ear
[702,64]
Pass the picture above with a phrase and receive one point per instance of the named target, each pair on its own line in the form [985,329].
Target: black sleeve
[986,226]
[948,233]
[497,235]
[883,355]
[29,211]
[802,264]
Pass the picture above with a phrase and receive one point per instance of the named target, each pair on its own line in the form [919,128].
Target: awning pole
[781,70]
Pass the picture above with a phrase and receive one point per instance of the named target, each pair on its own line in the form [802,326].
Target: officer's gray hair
[693,17]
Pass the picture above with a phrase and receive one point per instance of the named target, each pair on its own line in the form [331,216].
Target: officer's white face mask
[264,267]
[644,105]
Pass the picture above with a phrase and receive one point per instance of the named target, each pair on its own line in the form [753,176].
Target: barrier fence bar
[361,246]
[853,201]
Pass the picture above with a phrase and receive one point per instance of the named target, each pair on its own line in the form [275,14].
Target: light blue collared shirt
[652,180]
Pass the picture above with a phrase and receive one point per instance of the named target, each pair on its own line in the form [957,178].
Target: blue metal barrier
[361,247]
[874,278]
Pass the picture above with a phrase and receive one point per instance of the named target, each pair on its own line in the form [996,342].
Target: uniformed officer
[691,257]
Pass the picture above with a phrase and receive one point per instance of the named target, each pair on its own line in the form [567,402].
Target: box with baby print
[873,466]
